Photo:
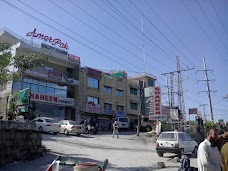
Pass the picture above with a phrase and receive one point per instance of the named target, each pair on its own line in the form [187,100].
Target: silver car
[71,127]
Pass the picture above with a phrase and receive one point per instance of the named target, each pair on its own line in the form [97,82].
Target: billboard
[153,102]
[193,111]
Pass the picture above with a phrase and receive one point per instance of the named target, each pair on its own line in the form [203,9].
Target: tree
[5,62]
[29,61]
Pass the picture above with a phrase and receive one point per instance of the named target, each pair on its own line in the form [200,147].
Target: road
[127,153]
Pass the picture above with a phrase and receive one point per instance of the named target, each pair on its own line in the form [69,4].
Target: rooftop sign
[48,39]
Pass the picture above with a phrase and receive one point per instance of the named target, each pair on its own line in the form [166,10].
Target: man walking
[224,156]
[115,129]
[208,155]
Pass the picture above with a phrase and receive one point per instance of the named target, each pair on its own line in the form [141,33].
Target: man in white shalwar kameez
[208,157]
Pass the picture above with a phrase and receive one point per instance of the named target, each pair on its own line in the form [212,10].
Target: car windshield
[50,120]
[168,136]
[73,123]
[123,120]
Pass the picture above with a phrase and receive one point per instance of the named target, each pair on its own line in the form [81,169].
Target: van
[122,122]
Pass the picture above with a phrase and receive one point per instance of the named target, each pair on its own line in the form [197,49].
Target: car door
[61,127]
[191,144]
[183,142]
[39,123]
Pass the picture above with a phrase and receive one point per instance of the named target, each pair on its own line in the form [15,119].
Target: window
[108,106]
[134,106]
[182,137]
[120,108]
[108,89]
[150,83]
[133,91]
[168,136]
[119,92]
[93,83]
[95,100]
[188,137]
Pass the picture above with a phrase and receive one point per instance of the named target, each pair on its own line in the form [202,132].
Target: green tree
[5,62]
[29,61]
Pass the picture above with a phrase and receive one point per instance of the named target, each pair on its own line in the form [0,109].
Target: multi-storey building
[102,95]
[108,95]
[54,87]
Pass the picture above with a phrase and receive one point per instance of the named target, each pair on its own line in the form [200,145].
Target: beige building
[108,95]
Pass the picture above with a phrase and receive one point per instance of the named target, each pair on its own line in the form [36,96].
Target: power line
[210,24]
[218,16]
[54,28]
[201,27]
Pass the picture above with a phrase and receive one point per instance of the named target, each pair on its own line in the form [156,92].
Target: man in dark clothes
[222,139]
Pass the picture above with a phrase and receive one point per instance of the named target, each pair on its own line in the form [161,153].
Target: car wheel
[148,128]
[160,154]
[66,132]
[78,134]
[181,153]
[40,129]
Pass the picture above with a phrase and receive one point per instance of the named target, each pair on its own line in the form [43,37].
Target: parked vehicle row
[45,124]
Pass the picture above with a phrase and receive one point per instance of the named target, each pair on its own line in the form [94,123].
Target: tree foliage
[5,62]
[30,61]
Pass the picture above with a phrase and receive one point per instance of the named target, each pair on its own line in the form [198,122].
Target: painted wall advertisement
[47,98]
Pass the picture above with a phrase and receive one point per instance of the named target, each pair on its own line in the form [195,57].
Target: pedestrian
[131,125]
[224,157]
[115,130]
[222,139]
[208,157]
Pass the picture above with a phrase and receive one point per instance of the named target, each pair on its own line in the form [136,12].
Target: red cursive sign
[48,39]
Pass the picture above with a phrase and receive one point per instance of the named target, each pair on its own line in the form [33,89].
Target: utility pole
[204,114]
[168,92]
[208,90]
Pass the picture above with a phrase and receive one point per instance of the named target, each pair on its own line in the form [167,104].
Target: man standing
[224,156]
[208,157]
[222,139]
[115,129]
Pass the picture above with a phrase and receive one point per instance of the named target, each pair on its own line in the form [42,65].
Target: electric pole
[204,114]
[208,90]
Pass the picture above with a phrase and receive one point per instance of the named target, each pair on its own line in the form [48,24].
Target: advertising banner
[93,108]
[193,111]
[63,101]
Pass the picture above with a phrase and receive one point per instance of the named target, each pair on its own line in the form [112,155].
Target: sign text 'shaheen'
[48,39]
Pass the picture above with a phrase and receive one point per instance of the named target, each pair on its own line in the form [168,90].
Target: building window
[93,83]
[150,83]
[95,100]
[119,92]
[134,106]
[108,106]
[133,91]
[119,108]
[108,89]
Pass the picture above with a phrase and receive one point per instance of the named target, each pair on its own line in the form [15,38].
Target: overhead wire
[211,24]
[205,33]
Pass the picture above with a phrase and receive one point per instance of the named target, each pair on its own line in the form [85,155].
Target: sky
[138,36]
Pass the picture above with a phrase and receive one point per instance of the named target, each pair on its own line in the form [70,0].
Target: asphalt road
[127,153]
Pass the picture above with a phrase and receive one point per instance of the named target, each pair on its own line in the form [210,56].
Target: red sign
[94,73]
[48,39]
[157,100]
[192,111]
[73,58]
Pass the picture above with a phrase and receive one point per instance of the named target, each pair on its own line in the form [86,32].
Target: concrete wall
[16,144]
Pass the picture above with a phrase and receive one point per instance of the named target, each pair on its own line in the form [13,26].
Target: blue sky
[107,34]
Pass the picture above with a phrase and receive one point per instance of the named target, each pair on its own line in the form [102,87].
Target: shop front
[52,106]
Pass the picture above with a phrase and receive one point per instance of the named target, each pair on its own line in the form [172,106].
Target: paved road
[127,153]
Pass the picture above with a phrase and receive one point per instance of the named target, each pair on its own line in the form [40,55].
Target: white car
[45,124]
[175,142]
[71,127]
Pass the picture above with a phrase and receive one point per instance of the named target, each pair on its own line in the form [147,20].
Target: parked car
[45,124]
[123,122]
[71,127]
[175,142]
